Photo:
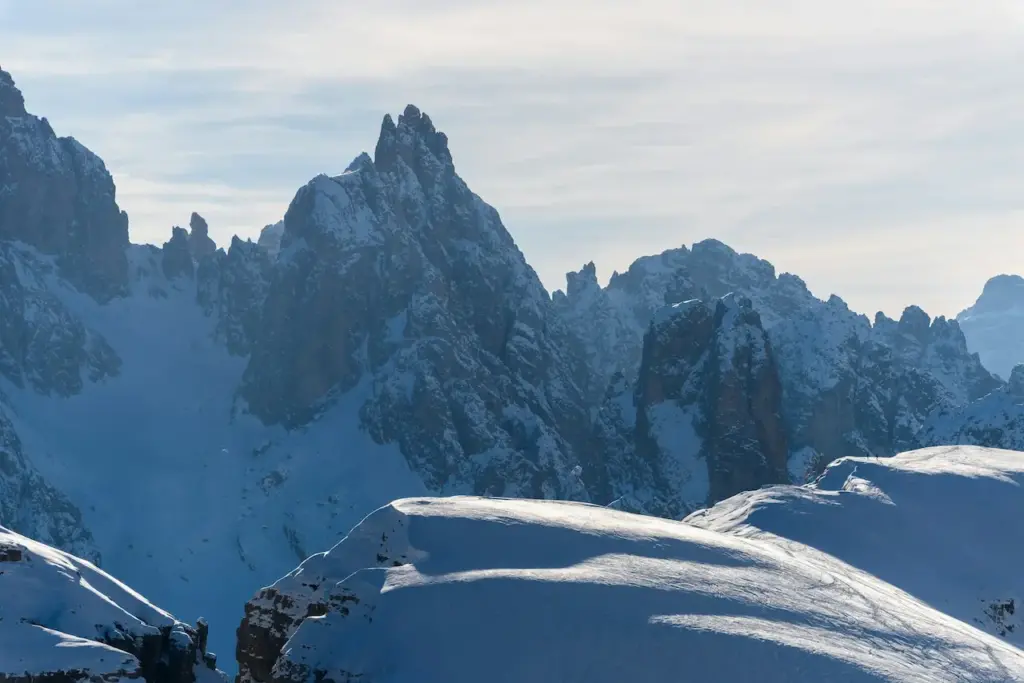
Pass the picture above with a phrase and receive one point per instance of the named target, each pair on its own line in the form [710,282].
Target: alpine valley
[199,420]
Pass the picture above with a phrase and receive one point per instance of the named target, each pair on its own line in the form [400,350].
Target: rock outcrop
[57,196]
[707,421]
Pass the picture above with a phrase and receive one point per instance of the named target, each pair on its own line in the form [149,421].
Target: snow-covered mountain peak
[994,325]
[1001,293]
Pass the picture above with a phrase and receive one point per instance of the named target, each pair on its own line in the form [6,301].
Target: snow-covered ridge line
[61,618]
[932,522]
[469,589]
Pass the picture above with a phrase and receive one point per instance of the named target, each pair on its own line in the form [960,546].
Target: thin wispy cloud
[873,148]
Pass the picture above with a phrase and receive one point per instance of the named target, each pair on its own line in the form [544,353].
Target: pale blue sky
[872,147]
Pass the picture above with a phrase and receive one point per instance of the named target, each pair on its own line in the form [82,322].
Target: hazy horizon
[872,150]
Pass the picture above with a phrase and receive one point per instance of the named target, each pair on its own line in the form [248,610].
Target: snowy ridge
[932,522]
[62,618]
[470,589]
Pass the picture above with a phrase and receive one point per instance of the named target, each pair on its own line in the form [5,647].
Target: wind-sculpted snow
[938,523]
[471,589]
[62,619]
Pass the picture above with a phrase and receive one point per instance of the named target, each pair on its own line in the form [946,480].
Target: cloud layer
[873,148]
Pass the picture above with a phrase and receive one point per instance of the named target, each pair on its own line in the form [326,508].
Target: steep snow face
[395,275]
[995,420]
[470,589]
[933,522]
[29,503]
[57,196]
[63,619]
[994,325]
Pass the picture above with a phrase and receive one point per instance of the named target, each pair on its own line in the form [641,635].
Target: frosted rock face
[994,325]
[849,387]
[231,288]
[709,403]
[58,197]
[395,277]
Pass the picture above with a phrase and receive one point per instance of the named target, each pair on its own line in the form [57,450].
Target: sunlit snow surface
[192,501]
[513,590]
[55,605]
[942,524]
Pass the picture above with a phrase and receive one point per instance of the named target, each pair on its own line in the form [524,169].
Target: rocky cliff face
[43,344]
[58,197]
[994,325]
[849,388]
[709,403]
[394,279]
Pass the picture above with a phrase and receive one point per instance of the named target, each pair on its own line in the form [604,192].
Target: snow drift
[471,589]
[63,619]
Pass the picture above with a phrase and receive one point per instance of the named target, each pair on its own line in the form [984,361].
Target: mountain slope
[994,325]
[62,619]
[471,589]
[995,420]
[937,523]
[850,387]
